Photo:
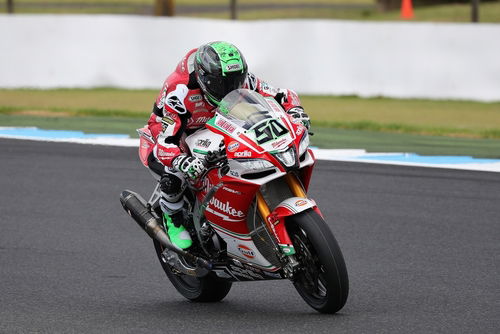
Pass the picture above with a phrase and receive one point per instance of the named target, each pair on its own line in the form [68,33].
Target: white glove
[299,114]
[192,167]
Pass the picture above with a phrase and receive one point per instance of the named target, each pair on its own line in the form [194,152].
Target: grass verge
[378,124]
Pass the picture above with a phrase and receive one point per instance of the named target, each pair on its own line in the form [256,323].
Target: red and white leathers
[179,110]
[184,109]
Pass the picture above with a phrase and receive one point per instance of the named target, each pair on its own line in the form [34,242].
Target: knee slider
[170,184]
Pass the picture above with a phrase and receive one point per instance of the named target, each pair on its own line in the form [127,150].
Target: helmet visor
[220,86]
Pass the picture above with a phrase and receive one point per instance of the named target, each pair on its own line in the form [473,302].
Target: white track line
[347,155]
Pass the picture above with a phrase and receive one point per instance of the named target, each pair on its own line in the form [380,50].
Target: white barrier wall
[445,61]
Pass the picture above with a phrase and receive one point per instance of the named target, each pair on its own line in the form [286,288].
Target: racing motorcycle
[249,214]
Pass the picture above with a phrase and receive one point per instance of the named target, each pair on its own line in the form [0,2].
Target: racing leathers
[180,109]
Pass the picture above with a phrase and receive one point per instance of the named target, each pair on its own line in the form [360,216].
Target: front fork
[275,220]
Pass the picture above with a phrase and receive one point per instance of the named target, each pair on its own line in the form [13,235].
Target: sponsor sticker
[243,154]
[278,143]
[233,146]
[233,67]
[245,273]
[226,207]
[275,106]
[207,185]
[300,202]
[300,130]
[232,190]
[167,120]
[252,81]
[195,98]
[225,125]
[204,143]
[246,251]
[183,64]
[162,153]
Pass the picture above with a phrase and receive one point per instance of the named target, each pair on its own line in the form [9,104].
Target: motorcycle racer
[185,103]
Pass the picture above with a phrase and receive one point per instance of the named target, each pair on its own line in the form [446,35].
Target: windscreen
[248,108]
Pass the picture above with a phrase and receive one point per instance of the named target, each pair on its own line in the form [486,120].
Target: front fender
[276,219]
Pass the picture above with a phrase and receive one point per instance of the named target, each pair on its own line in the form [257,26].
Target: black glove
[217,157]
[300,114]
[280,98]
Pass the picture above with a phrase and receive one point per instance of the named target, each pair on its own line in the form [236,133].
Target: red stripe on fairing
[230,234]
[248,141]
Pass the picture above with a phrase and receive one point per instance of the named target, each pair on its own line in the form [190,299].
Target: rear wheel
[197,289]
[322,280]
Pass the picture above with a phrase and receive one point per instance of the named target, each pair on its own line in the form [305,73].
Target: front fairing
[255,127]
[256,130]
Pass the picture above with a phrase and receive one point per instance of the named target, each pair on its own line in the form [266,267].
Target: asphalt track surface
[422,248]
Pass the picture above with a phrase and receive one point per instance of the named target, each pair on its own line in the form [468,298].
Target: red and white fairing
[252,165]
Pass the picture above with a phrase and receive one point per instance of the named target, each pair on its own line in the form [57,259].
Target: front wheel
[197,289]
[322,278]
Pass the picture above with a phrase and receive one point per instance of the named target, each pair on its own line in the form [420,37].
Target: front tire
[197,289]
[322,281]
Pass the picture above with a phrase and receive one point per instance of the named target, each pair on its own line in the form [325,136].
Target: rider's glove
[192,167]
[280,97]
[299,114]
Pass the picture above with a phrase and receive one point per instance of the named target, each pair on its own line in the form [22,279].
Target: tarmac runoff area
[347,155]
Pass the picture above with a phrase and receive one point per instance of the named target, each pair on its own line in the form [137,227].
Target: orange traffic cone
[406,10]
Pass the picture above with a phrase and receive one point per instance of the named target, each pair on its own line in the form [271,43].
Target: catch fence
[245,9]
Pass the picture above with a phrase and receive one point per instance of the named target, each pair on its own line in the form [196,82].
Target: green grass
[489,12]
[377,124]
[446,118]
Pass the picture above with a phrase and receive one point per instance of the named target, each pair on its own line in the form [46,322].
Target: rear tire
[323,282]
[197,289]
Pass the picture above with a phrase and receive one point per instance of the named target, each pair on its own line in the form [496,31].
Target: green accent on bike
[223,109]
[174,233]
[199,151]
[211,121]
[230,57]
[287,250]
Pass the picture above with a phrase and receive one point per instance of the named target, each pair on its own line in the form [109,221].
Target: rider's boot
[177,233]
[171,202]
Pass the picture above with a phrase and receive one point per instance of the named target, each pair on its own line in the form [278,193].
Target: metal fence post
[164,7]
[475,11]
[10,6]
[233,9]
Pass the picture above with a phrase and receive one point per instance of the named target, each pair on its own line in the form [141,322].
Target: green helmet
[220,68]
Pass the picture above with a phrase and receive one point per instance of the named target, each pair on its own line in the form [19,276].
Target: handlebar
[214,160]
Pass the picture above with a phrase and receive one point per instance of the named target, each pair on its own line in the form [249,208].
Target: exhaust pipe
[136,207]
